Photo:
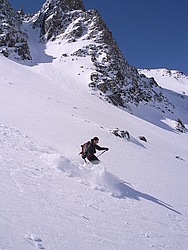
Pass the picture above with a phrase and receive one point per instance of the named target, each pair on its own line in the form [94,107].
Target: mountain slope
[52,201]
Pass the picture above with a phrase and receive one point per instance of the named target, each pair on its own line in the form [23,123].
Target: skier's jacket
[91,150]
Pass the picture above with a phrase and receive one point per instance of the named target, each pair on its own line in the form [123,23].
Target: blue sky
[150,33]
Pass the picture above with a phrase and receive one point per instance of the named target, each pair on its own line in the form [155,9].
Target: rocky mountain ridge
[13,39]
[66,20]
[118,82]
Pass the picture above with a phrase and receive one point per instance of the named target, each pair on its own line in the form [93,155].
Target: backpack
[84,148]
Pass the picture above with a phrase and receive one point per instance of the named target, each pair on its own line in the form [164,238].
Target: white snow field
[136,199]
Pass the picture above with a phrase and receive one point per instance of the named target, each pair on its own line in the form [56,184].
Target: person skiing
[92,150]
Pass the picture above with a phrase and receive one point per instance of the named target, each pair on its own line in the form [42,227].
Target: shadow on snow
[98,178]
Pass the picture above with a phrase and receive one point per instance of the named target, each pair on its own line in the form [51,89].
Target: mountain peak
[65,5]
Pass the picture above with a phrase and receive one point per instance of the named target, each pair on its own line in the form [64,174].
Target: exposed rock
[13,40]
[92,84]
[125,134]
[179,158]
[21,11]
[102,86]
[143,138]
[56,15]
[116,132]
[180,126]
[121,134]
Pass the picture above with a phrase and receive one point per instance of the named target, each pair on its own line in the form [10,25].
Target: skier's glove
[106,149]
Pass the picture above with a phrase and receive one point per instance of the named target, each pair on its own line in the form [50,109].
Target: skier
[91,150]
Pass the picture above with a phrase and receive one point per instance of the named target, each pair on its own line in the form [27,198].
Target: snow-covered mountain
[67,22]
[50,199]
[118,82]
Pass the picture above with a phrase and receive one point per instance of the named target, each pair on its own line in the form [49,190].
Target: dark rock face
[180,126]
[13,40]
[55,16]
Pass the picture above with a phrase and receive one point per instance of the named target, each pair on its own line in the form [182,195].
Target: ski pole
[101,153]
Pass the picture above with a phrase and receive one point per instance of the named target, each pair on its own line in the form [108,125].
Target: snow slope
[178,81]
[135,199]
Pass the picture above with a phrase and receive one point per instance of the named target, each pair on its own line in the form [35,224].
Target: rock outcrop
[55,16]
[13,40]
